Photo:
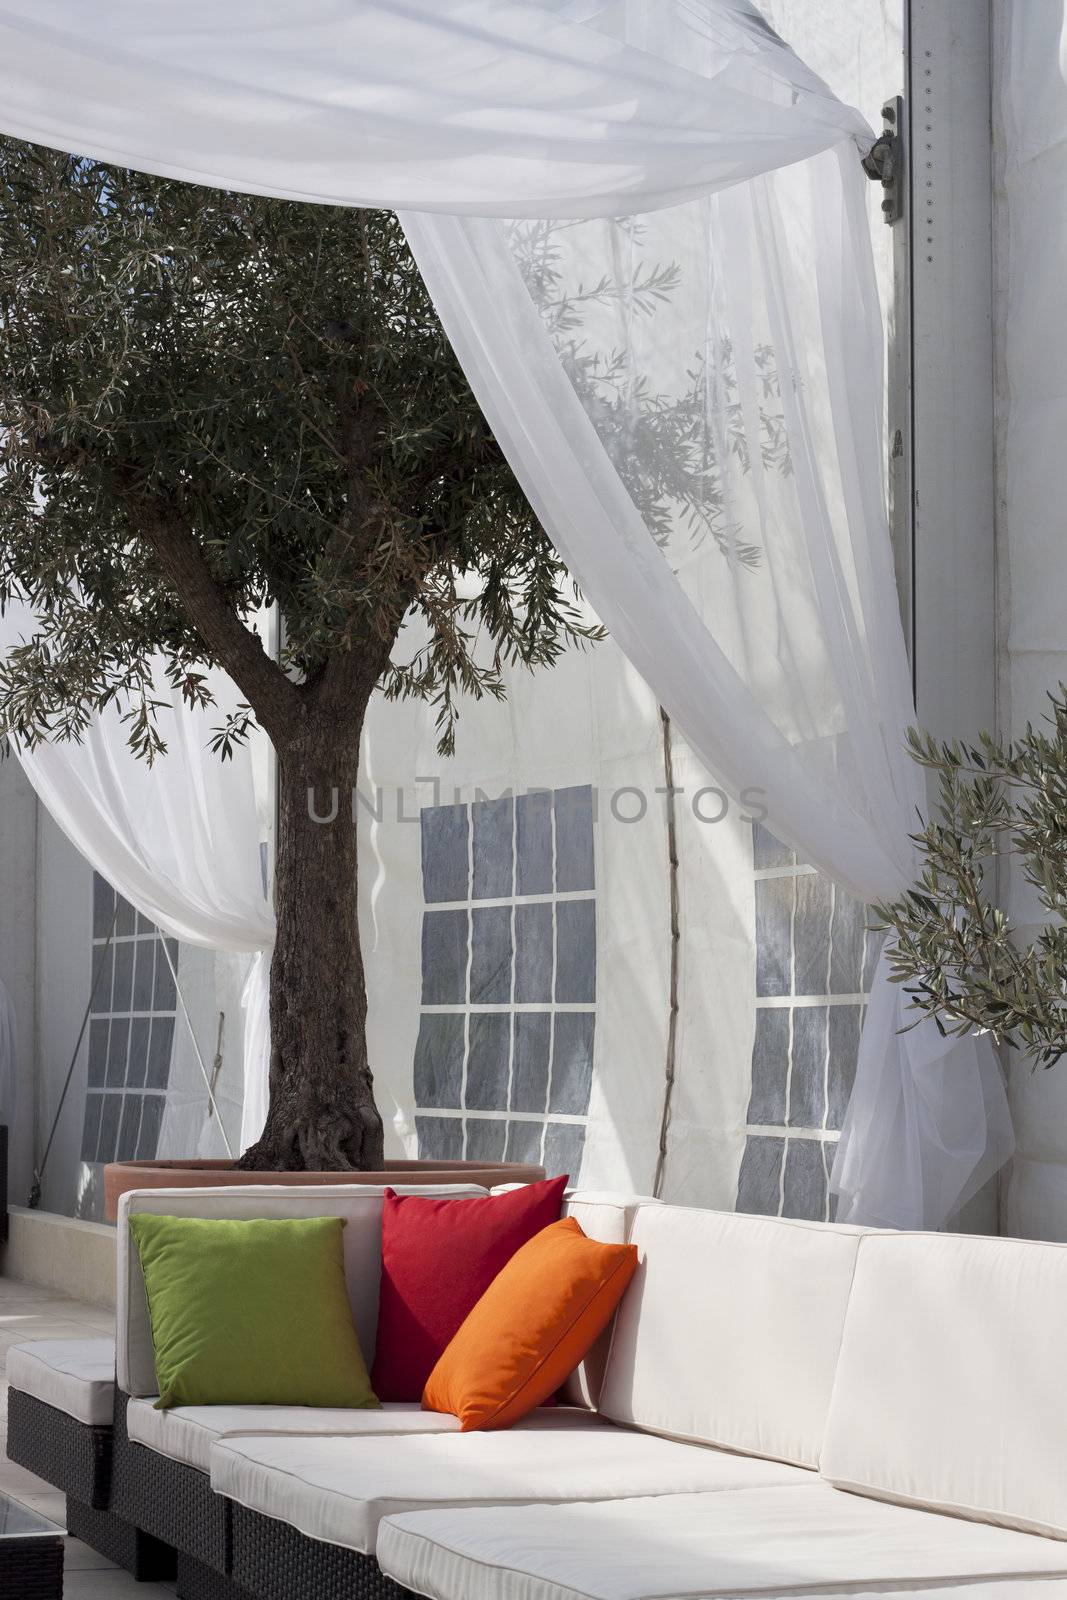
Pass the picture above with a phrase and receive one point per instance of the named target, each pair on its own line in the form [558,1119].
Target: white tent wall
[768,955]
[46,966]
[589,721]
[131,1026]
[68,939]
[1030,142]
[64,967]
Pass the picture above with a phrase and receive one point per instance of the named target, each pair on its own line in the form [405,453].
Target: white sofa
[914,1381]
[781,1409]
[187,1434]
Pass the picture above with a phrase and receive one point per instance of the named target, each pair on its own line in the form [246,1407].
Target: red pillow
[438,1259]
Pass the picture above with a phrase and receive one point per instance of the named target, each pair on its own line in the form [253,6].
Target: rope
[192,1034]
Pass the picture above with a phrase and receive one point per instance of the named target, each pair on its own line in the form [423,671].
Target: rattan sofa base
[168,1499]
[147,1559]
[273,1561]
[74,1456]
[197,1582]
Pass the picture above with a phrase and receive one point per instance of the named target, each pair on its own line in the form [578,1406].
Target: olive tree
[1000,807]
[213,402]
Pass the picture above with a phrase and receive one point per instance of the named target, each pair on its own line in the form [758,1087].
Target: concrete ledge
[75,1258]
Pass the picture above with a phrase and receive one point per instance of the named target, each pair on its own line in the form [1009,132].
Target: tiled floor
[27,1312]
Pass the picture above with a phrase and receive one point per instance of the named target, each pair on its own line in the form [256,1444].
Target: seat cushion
[186,1433]
[774,1541]
[73,1375]
[730,1330]
[605,1216]
[338,1490]
[950,1390]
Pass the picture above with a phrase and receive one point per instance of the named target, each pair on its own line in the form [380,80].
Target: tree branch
[276,701]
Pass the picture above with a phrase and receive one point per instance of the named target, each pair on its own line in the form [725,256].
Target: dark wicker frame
[154,1517]
[143,1557]
[273,1561]
[75,1456]
[197,1582]
[32,1569]
[167,1499]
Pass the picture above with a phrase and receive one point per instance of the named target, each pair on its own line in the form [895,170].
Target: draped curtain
[179,840]
[644,228]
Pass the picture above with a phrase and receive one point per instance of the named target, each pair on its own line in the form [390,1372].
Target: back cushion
[729,1333]
[606,1217]
[950,1390]
[359,1204]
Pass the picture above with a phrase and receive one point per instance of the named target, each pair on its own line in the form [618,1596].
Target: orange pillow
[538,1319]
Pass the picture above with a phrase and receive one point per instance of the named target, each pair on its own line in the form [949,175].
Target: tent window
[504,1059]
[814,959]
[131,1031]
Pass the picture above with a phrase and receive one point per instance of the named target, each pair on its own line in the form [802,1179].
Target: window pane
[494,822]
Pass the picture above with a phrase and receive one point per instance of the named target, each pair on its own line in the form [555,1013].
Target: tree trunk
[322,1113]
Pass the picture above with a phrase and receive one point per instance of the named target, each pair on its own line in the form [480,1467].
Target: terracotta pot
[120,1176]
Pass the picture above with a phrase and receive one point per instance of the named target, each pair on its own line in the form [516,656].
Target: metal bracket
[884,163]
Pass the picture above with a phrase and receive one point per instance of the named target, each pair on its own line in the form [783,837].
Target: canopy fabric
[684,345]
[178,839]
[474,106]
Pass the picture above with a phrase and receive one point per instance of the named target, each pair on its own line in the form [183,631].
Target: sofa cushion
[421,1308]
[730,1330]
[76,1376]
[359,1204]
[251,1312]
[603,1215]
[532,1327]
[186,1433]
[950,1390]
[807,1540]
[339,1489]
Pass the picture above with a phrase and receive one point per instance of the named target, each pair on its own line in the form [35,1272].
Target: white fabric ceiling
[474,106]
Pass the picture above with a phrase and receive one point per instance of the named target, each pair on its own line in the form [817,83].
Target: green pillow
[250,1313]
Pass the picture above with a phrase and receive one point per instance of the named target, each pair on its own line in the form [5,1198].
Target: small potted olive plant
[1001,807]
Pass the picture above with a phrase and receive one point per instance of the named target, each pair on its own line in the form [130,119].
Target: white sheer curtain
[657,274]
[179,839]
[786,667]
